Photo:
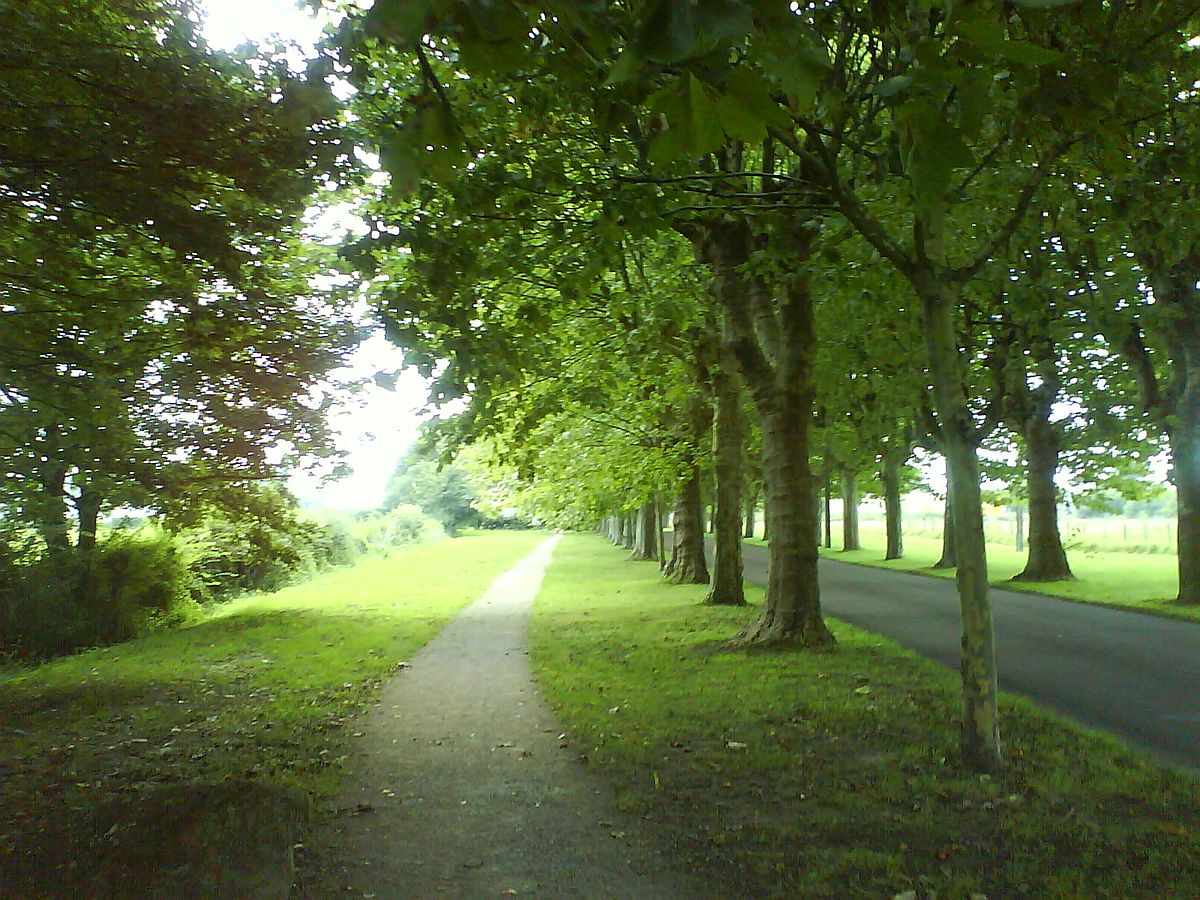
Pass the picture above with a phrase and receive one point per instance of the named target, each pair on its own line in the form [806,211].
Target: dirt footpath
[458,785]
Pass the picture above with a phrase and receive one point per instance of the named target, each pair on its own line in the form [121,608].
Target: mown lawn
[261,689]
[1144,581]
[833,774]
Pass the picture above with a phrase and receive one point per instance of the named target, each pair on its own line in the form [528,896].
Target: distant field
[1119,534]
[1145,581]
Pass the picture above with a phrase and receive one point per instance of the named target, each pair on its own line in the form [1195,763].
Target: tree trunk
[1047,559]
[1185,464]
[687,564]
[818,514]
[949,558]
[1019,514]
[87,508]
[893,522]
[629,530]
[766,518]
[773,339]
[981,722]
[828,494]
[658,531]
[850,510]
[748,521]
[645,545]
[726,587]
[52,512]
[792,607]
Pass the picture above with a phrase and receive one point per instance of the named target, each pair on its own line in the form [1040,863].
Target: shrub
[129,585]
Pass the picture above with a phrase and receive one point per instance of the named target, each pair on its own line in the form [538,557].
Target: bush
[229,557]
[398,527]
[129,585]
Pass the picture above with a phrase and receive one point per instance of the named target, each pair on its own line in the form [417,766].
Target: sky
[375,426]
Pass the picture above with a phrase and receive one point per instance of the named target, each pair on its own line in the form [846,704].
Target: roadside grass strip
[261,689]
[832,774]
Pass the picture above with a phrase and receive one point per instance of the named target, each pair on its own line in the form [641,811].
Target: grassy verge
[832,774]
[260,689]
[1142,581]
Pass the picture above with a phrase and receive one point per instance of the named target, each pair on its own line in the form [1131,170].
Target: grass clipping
[833,774]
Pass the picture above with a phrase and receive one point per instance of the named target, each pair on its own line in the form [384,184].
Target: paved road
[1135,675]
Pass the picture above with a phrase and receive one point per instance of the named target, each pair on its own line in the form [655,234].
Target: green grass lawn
[832,774]
[1145,581]
[261,689]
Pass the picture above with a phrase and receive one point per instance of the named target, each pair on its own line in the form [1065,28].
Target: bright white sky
[376,426]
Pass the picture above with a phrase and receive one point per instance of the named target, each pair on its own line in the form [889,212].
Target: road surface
[1135,675]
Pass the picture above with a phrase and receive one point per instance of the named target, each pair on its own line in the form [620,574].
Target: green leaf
[1044,4]
[724,20]
[669,34]
[401,22]
[892,86]
[739,122]
[747,101]
[706,124]
[935,150]
[627,68]
[794,64]
[1023,53]
[693,124]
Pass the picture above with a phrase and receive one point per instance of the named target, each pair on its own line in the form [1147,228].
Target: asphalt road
[1135,675]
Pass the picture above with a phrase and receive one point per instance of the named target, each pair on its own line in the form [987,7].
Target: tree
[161,339]
[443,492]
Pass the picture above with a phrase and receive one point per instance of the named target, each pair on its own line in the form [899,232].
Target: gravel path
[462,784]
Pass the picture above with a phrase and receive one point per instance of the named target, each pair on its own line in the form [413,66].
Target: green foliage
[162,338]
[443,492]
[400,526]
[131,584]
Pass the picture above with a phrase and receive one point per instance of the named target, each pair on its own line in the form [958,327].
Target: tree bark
[774,342]
[748,521]
[1185,453]
[1019,514]
[1047,560]
[87,508]
[850,510]
[629,530]
[52,512]
[949,558]
[818,514]
[726,587]
[828,495]
[893,522]
[687,564]
[645,545]
[981,721]
[658,531]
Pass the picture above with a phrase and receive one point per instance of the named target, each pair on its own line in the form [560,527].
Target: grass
[833,774]
[1142,581]
[261,689]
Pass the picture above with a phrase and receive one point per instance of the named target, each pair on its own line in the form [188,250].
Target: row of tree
[638,237]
